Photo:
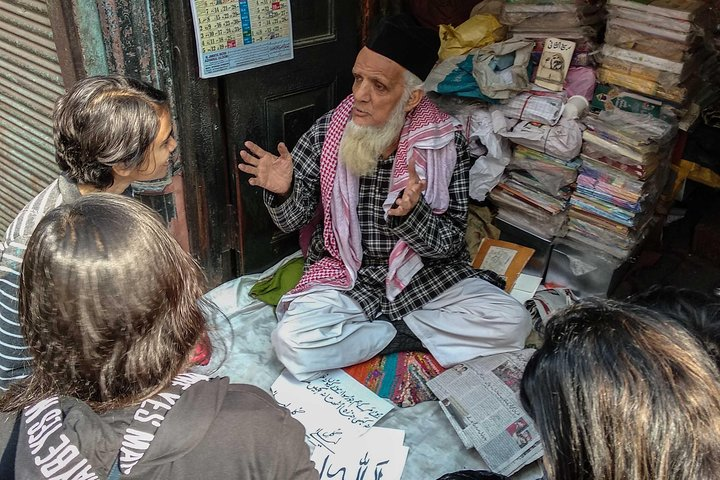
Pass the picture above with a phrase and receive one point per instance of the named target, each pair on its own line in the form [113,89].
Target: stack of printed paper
[654,47]
[576,21]
[534,192]
[569,19]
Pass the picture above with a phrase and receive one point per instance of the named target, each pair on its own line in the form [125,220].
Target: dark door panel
[290,114]
[278,103]
[230,231]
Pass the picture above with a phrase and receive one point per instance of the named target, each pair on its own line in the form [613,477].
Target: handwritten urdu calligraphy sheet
[236,35]
[331,407]
[379,454]
[339,415]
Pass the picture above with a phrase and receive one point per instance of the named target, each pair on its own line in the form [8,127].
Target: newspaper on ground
[481,399]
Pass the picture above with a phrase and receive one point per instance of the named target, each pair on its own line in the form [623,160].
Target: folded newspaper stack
[481,399]
[561,18]
[534,192]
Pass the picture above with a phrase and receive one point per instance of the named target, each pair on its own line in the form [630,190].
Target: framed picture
[504,258]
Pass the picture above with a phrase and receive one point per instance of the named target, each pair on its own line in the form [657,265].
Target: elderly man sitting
[387,265]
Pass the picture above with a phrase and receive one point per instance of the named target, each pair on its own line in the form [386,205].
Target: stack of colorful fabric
[400,377]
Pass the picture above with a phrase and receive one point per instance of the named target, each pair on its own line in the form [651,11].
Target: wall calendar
[236,35]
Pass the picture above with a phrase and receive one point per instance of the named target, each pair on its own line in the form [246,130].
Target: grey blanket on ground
[243,352]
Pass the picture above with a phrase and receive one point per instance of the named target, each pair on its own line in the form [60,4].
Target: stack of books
[535,190]
[625,161]
[569,19]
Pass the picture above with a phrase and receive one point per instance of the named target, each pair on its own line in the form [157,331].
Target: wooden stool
[688,170]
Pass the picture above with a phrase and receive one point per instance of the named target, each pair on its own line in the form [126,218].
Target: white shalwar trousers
[324,330]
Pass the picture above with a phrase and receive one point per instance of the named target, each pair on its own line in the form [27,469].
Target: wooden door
[278,103]
[230,232]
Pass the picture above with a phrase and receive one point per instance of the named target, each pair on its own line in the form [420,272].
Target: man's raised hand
[273,173]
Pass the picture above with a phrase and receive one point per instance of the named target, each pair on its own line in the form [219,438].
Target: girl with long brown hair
[111,311]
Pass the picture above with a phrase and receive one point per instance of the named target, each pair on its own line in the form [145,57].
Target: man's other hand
[273,173]
[410,195]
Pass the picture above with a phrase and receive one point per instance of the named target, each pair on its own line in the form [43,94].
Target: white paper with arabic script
[379,453]
[332,407]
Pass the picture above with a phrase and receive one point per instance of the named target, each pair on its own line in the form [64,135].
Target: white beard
[361,146]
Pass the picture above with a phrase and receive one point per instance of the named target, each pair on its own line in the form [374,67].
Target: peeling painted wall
[135,37]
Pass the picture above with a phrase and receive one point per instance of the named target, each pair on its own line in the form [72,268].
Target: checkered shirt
[438,239]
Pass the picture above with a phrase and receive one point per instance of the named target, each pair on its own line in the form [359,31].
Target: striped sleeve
[14,355]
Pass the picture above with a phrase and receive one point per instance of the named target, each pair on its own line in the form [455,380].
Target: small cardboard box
[504,258]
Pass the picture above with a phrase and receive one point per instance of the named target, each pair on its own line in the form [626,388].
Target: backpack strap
[7,461]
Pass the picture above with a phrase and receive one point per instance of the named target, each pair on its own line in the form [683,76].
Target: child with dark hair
[111,310]
[108,131]
[699,312]
[620,392]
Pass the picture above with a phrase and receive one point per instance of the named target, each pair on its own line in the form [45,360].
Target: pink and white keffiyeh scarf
[428,138]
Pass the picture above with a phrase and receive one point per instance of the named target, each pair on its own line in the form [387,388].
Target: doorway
[286,99]
[230,231]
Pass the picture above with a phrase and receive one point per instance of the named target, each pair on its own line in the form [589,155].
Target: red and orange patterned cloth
[400,377]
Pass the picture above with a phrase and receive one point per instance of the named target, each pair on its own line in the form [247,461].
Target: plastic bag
[545,108]
[478,31]
[493,73]
[563,141]
[580,81]
[546,302]
[454,76]
[501,69]
[553,174]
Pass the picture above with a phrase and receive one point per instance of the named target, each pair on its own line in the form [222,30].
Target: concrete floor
[685,252]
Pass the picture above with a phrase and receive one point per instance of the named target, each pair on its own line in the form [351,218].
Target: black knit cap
[401,39]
